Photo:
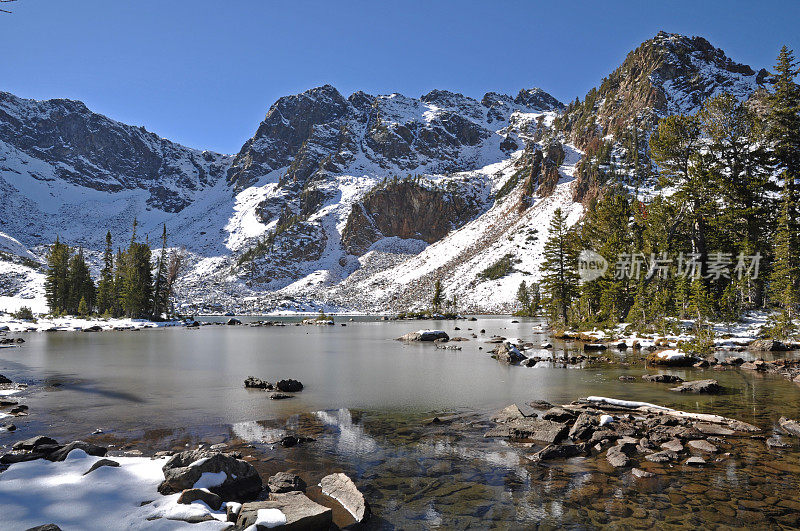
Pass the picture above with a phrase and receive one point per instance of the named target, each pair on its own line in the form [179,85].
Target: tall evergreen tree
[784,114]
[560,268]
[105,287]
[55,285]
[786,270]
[436,302]
[80,285]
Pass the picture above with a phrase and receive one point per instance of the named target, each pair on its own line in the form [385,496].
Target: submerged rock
[639,473]
[703,446]
[559,451]
[792,427]
[662,378]
[342,489]
[699,386]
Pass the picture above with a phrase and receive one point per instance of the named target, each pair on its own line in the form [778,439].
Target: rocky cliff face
[407,210]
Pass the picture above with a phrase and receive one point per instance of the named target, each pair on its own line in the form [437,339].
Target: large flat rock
[301,513]
[342,489]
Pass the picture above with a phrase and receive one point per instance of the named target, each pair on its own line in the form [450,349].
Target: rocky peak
[289,123]
[91,150]
[667,74]
[536,98]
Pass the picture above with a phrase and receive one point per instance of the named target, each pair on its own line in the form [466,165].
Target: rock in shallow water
[639,473]
[425,335]
[286,482]
[342,489]
[662,378]
[792,427]
[508,414]
[289,386]
[257,383]
[699,386]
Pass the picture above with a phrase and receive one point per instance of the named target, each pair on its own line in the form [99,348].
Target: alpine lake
[406,421]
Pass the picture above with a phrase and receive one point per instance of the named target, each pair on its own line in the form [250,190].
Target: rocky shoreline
[629,434]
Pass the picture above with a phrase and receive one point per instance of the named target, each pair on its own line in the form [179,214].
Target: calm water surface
[368,401]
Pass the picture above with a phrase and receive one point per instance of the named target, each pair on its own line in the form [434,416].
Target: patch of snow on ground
[41,492]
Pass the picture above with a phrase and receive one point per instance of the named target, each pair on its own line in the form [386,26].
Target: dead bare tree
[175,266]
[5,2]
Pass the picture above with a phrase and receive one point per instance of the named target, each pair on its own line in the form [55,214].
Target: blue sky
[204,73]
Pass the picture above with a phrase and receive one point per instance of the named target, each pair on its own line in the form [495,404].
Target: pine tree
[83,307]
[436,302]
[80,285]
[783,117]
[105,288]
[700,304]
[119,284]
[785,271]
[559,268]
[524,298]
[56,287]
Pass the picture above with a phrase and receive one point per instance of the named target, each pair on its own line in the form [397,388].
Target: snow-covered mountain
[353,203]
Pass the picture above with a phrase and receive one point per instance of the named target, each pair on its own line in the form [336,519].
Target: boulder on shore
[209,498]
[767,345]
[298,511]
[425,335]
[224,475]
[342,489]
[4,380]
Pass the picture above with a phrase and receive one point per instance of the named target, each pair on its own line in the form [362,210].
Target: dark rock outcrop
[405,209]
